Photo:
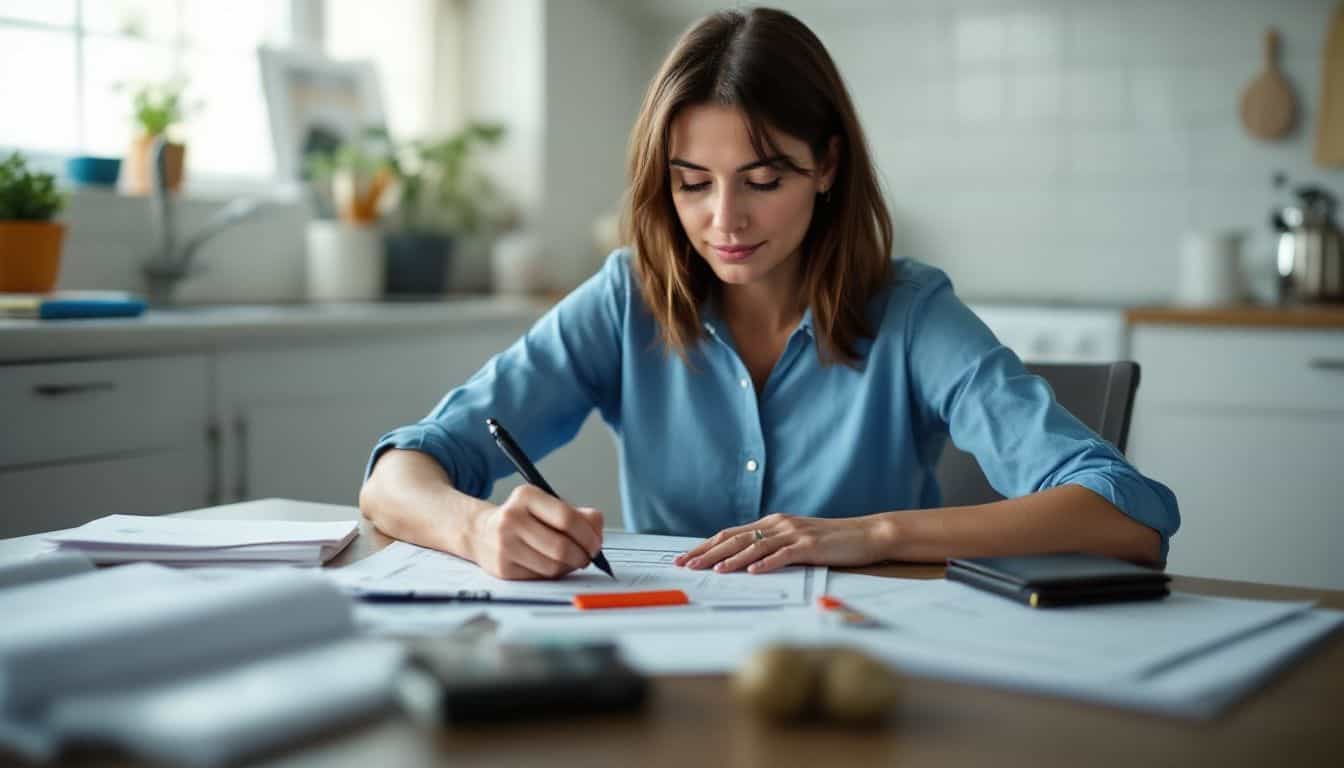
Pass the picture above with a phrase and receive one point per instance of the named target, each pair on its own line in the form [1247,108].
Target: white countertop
[209,327]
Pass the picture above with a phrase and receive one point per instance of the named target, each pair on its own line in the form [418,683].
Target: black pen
[460,596]
[525,468]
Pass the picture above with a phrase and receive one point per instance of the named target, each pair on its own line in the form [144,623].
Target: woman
[774,378]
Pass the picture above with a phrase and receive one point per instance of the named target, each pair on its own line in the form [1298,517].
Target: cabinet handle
[240,491]
[1327,363]
[215,489]
[66,390]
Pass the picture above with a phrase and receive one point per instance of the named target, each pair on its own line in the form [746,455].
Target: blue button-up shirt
[702,450]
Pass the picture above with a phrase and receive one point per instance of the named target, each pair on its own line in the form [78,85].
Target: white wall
[1060,148]
[595,80]
[566,77]
[504,55]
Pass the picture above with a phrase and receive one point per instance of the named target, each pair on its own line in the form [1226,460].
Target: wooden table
[691,722]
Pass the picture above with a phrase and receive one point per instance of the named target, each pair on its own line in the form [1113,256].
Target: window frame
[305,27]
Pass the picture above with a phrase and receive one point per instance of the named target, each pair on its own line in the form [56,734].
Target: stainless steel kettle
[1310,248]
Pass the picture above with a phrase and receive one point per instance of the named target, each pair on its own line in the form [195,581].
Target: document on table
[1113,641]
[641,562]
[188,541]
[1187,655]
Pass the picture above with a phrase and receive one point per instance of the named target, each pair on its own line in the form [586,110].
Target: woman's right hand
[534,535]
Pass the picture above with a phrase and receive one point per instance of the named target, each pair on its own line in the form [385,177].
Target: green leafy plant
[441,191]
[348,179]
[25,194]
[156,106]
[365,155]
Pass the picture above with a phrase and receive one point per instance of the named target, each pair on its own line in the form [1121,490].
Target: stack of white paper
[182,541]
[197,668]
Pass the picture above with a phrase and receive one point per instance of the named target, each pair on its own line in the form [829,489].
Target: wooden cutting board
[1268,107]
[1330,123]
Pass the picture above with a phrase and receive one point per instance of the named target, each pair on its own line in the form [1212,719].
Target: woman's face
[745,215]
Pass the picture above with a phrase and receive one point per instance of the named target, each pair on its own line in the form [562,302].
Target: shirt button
[744,382]
[752,465]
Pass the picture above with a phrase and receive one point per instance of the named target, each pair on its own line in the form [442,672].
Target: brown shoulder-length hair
[773,68]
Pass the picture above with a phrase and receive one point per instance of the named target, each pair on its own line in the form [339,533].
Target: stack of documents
[185,542]
[642,562]
[193,667]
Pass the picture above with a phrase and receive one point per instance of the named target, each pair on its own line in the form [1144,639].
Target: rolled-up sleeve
[541,388]
[1008,418]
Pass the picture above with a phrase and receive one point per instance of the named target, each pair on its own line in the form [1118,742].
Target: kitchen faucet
[173,262]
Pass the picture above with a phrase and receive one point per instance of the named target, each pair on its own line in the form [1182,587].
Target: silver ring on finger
[757,535]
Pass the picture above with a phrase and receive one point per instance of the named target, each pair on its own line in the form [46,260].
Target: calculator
[448,682]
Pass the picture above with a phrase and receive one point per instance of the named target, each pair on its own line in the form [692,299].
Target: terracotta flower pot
[139,161]
[30,255]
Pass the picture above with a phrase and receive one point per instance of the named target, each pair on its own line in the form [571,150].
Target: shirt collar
[712,319]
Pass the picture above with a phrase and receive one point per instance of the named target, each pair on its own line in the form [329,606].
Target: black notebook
[1042,581]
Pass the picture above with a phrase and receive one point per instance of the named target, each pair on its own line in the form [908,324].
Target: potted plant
[345,254]
[157,107]
[443,203]
[30,242]
[351,181]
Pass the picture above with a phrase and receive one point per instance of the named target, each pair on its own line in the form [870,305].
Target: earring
[825,195]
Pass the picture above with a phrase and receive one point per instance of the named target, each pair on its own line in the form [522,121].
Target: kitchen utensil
[1330,123]
[1310,248]
[1268,107]
[1210,269]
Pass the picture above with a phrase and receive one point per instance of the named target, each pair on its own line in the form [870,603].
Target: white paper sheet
[666,641]
[149,531]
[1115,641]
[640,561]
[1199,687]
[132,538]
[856,586]
[414,619]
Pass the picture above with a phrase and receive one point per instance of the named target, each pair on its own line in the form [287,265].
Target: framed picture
[315,104]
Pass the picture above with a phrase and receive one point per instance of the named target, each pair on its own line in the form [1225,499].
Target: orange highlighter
[598,601]
[844,615]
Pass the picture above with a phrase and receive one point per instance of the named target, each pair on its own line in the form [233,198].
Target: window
[401,46]
[62,60]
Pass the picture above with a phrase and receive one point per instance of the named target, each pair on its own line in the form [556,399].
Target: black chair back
[1101,395]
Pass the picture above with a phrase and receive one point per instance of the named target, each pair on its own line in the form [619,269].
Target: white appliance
[1058,333]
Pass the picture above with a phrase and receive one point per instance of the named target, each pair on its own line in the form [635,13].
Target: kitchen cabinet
[298,421]
[1246,425]
[262,411]
[94,437]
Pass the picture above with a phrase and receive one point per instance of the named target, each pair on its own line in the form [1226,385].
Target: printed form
[641,562]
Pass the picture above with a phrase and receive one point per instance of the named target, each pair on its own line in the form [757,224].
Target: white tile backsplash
[981,97]
[1053,147]
[981,37]
[1035,36]
[1098,97]
[1037,96]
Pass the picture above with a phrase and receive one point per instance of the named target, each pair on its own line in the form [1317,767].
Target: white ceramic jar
[345,261]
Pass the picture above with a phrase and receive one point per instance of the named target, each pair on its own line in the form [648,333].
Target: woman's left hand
[779,540]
